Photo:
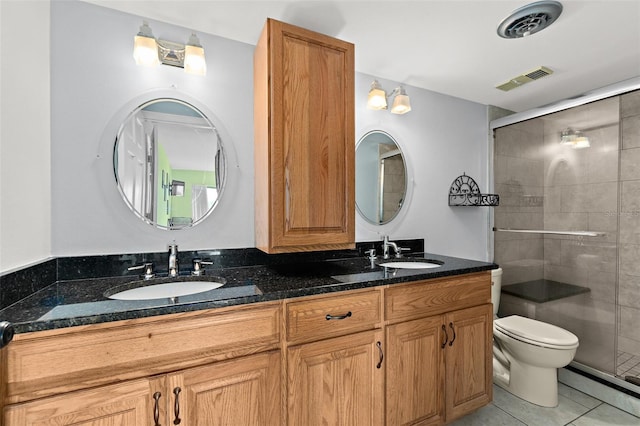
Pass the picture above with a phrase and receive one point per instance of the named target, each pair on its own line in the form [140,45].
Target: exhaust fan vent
[525,78]
[529,19]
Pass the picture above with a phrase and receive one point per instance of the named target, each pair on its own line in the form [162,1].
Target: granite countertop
[81,302]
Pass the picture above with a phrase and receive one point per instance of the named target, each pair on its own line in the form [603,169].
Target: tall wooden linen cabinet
[304,140]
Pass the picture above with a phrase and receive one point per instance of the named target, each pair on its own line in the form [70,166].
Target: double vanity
[314,332]
[283,343]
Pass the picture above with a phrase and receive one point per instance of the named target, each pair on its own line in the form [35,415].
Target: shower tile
[630,104]
[630,227]
[629,290]
[594,197]
[566,221]
[629,255]
[566,411]
[630,164]
[628,327]
[606,415]
[631,132]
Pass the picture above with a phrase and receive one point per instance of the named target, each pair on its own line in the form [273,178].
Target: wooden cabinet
[335,369]
[418,353]
[213,367]
[304,140]
[469,360]
[337,381]
[236,392]
[124,404]
[439,349]
[416,372]
[243,391]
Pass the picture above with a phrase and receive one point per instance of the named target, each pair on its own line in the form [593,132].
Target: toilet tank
[496,287]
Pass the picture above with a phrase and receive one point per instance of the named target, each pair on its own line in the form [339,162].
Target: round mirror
[381,177]
[169,163]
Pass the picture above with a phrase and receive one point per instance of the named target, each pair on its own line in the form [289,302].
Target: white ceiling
[448,46]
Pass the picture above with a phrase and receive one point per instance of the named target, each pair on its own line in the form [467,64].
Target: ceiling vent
[529,19]
[525,78]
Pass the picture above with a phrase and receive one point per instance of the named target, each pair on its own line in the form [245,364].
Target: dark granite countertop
[83,301]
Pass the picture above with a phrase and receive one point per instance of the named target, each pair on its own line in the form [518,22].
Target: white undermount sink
[411,265]
[166,290]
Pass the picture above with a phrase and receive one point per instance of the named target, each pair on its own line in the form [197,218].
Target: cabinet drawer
[431,297]
[335,315]
[44,363]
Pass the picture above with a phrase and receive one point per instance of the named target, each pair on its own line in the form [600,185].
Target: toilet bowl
[527,353]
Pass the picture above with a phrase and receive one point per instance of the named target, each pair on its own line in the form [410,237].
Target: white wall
[441,138]
[25,212]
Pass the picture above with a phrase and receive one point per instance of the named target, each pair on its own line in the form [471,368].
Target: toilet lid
[536,332]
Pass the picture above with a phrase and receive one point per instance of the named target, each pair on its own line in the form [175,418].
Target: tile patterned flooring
[574,409]
[628,365]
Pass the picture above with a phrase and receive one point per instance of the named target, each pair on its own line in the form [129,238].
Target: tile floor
[574,409]
[628,364]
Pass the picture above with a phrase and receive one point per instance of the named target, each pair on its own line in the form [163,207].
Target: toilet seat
[536,332]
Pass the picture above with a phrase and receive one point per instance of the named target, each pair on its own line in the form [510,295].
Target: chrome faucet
[173,260]
[385,247]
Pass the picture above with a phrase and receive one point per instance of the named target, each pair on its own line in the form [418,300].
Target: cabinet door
[304,140]
[415,372]
[243,391]
[125,404]
[338,381]
[469,360]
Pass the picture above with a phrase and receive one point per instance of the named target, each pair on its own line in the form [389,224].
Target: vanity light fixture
[149,51]
[145,47]
[377,99]
[574,138]
[401,103]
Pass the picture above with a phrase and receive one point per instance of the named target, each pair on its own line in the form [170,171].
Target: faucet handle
[371,254]
[197,266]
[400,250]
[148,270]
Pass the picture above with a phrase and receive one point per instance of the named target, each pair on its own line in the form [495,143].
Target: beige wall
[25,207]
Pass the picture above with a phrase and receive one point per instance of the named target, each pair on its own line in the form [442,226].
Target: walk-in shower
[567,231]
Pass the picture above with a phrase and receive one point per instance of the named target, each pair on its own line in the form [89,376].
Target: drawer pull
[176,406]
[379,345]
[338,317]
[446,337]
[156,409]
[454,334]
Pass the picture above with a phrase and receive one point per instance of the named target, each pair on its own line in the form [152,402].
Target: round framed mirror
[381,177]
[169,164]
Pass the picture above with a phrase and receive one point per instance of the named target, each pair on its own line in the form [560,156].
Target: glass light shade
[574,138]
[145,51]
[194,61]
[401,103]
[377,98]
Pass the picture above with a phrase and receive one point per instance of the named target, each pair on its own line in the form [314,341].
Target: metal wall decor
[464,191]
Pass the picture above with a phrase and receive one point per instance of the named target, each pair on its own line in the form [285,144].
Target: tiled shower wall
[544,185]
[629,259]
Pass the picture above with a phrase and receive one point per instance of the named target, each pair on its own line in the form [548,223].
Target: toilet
[527,353]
